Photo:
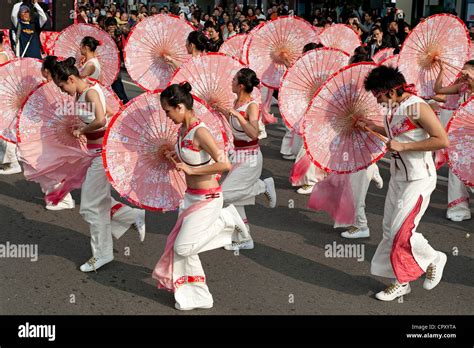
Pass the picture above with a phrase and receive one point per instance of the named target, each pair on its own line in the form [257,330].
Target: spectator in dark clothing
[26,29]
[215,40]
[114,32]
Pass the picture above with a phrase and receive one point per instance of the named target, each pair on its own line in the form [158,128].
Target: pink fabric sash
[404,265]
[299,170]
[334,196]
[163,271]
[267,117]
[441,157]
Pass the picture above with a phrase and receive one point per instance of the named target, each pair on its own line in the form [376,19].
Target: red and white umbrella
[233,46]
[331,139]
[147,45]
[68,44]
[210,76]
[19,78]
[274,42]
[51,155]
[442,36]
[340,36]
[390,61]
[382,54]
[461,138]
[134,147]
[303,79]
[48,38]
[7,46]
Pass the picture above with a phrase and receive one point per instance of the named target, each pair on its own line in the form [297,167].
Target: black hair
[383,79]
[357,58]
[208,24]
[1,37]
[178,94]
[90,42]
[134,12]
[49,63]
[376,27]
[198,39]
[311,46]
[248,78]
[361,50]
[64,69]
[470,62]
[109,21]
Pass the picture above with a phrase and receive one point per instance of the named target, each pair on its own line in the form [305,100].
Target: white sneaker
[459,218]
[66,203]
[289,157]
[270,192]
[95,263]
[305,190]
[244,245]
[139,224]
[356,232]
[11,168]
[239,223]
[178,307]
[434,273]
[394,291]
[378,180]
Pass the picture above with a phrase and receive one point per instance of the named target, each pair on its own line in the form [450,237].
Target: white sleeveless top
[237,129]
[185,148]
[84,112]
[95,62]
[408,165]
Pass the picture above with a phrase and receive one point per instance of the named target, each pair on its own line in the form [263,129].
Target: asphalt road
[286,273]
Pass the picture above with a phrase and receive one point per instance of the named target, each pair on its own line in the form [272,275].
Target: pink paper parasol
[303,79]
[442,36]
[48,38]
[7,46]
[68,44]
[134,147]
[147,44]
[461,138]
[210,76]
[340,36]
[274,42]
[382,54]
[18,78]
[390,61]
[330,136]
[50,153]
[233,46]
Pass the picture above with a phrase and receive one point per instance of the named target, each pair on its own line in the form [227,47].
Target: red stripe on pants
[404,265]
[115,208]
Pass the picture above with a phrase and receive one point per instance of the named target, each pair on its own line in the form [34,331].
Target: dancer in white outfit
[8,159]
[458,195]
[90,63]
[243,182]
[413,131]
[105,216]
[202,223]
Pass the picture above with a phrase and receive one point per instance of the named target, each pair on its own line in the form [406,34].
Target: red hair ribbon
[100,42]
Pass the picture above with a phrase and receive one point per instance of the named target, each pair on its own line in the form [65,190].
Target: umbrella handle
[378,135]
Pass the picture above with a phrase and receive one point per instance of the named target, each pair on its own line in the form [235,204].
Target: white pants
[209,227]
[360,182]
[7,152]
[400,206]
[105,216]
[458,198]
[314,174]
[243,183]
[291,143]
